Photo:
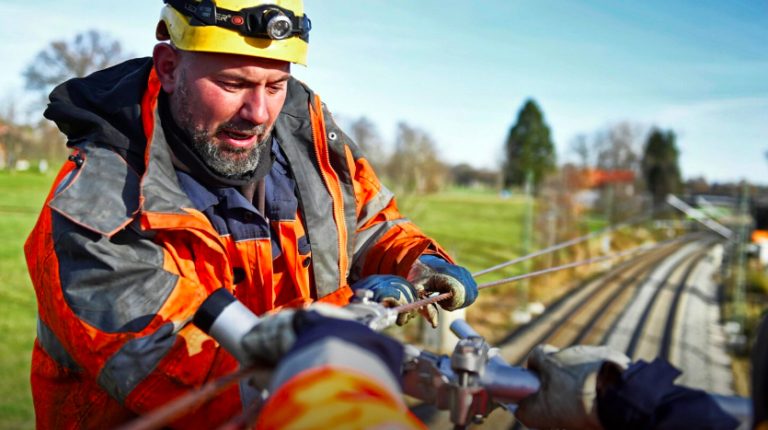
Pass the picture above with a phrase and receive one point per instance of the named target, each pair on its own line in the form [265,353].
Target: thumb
[430,313]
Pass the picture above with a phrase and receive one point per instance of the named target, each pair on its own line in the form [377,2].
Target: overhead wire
[440,297]
[636,220]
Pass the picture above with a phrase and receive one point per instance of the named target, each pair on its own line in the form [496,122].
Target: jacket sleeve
[116,310]
[385,242]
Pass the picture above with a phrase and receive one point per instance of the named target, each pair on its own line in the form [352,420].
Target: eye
[276,88]
[231,85]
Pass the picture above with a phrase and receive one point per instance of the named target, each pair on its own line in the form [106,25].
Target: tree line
[411,163]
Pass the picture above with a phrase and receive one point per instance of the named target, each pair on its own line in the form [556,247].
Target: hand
[393,291]
[569,383]
[276,333]
[431,273]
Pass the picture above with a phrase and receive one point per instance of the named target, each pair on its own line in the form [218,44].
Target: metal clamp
[471,382]
[371,313]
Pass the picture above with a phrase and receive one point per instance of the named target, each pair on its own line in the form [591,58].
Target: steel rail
[685,267]
[570,310]
[675,312]
[617,272]
[600,294]
[615,297]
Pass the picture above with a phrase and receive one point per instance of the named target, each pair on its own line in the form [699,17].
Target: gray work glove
[569,381]
[432,274]
[275,334]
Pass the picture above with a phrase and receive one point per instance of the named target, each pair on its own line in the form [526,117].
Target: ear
[167,60]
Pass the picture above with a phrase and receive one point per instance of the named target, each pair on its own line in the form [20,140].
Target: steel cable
[636,220]
[434,299]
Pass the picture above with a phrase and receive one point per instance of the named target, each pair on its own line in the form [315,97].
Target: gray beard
[230,163]
[225,161]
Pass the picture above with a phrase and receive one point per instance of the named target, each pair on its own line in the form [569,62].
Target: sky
[461,70]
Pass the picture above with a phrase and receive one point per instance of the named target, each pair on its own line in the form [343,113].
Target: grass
[21,196]
[478,230]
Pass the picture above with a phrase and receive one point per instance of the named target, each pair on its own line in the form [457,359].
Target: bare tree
[558,216]
[415,166]
[618,149]
[20,141]
[11,134]
[61,60]
[580,148]
[364,133]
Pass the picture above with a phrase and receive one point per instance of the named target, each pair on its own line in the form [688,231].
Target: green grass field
[21,196]
[479,229]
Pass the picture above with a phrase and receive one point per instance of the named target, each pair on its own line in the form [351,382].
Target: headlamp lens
[279,26]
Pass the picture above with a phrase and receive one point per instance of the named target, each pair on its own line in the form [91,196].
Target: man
[206,166]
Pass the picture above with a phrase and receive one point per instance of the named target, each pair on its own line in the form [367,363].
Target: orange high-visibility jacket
[120,259]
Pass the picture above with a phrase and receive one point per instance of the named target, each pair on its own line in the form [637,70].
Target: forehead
[207,63]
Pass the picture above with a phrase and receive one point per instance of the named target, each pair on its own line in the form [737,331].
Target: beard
[225,160]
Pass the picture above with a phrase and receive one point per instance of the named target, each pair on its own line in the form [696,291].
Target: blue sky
[461,70]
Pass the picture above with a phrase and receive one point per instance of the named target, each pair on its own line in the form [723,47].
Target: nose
[254,108]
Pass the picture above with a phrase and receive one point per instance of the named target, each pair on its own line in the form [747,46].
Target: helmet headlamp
[265,21]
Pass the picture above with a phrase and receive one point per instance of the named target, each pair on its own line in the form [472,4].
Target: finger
[430,313]
[403,318]
[391,302]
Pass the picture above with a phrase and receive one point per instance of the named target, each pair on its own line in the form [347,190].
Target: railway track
[586,314]
[660,303]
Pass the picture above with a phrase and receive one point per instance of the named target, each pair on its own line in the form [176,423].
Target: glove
[569,383]
[276,333]
[431,273]
[393,291]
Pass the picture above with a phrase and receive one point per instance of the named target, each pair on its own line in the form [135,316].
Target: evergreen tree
[529,148]
[660,166]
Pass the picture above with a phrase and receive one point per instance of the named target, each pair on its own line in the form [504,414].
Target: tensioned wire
[632,221]
[439,297]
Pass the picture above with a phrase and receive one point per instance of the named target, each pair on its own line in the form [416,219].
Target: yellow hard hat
[276,29]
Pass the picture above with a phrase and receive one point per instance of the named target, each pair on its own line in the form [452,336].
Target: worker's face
[228,104]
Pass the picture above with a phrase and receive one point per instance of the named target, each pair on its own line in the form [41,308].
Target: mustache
[244,127]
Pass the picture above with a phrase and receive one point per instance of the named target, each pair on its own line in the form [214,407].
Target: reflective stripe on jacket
[120,258]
